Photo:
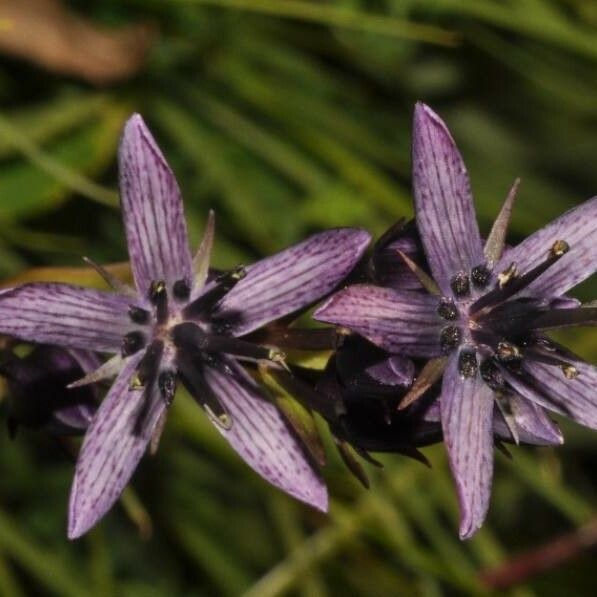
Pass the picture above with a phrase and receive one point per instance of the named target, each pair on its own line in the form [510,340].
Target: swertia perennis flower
[180,323]
[483,317]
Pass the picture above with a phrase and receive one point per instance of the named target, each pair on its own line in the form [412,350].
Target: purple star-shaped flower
[180,323]
[484,315]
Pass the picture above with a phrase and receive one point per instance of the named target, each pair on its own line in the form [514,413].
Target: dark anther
[158,295]
[148,365]
[491,375]
[559,248]
[138,315]
[507,352]
[460,284]
[207,301]
[467,363]
[480,275]
[167,385]
[132,343]
[450,338]
[447,309]
[181,290]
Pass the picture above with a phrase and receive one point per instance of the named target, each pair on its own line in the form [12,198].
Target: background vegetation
[288,116]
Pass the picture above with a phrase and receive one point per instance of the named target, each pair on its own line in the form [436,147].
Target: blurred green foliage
[289,116]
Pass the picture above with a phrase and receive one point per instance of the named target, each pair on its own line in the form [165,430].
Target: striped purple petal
[443,201]
[111,450]
[578,227]
[65,315]
[467,417]
[262,438]
[547,386]
[533,425]
[400,322]
[396,370]
[152,210]
[292,279]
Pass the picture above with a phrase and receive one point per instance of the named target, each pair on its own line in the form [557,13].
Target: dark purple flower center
[181,337]
[493,323]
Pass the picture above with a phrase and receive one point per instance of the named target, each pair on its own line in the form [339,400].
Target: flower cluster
[442,338]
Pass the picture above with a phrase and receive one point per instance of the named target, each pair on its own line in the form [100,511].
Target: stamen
[570,371]
[181,290]
[480,275]
[508,353]
[189,335]
[132,343]
[559,248]
[158,295]
[467,364]
[447,309]
[138,315]
[509,283]
[207,301]
[460,284]
[148,367]
[450,338]
[167,385]
[191,371]
[507,275]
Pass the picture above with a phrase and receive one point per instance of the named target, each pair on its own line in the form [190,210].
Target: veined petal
[547,385]
[263,439]
[111,450]
[467,417]
[292,279]
[578,227]
[152,210]
[396,370]
[400,322]
[533,425]
[65,315]
[443,201]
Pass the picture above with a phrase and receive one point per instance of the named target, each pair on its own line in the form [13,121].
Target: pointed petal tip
[133,126]
[317,497]
[424,115]
[323,310]
[468,529]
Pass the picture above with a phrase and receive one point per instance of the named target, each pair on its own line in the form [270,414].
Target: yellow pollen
[507,275]
[559,248]
[570,371]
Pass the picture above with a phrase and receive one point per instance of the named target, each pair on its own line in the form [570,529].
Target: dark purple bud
[37,394]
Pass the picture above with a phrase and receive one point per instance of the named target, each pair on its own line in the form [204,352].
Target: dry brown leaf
[47,33]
